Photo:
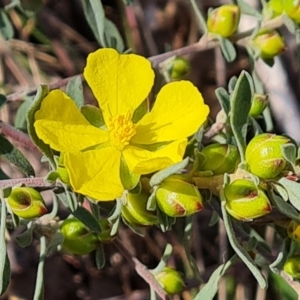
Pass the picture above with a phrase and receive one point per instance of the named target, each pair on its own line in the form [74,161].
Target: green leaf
[100,257]
[113,37]
[228,49]
[87,219]
[4,261]
[140,112]
[289,152]
[104,30]
[55,241]
[248,10]
[25,238]
[2,100]
[240,107]
[42,92]
[240,251]
[285,208]
[3,176]
[93,114]
[293,190]
[158,177]
[20,120]
[210,289]
[277,265]
[14,156]
[232,83]
[39,285]
[281,191]
[224,99]
[6,28]
[128,179]
[75,90]
[164,259]
[289,24]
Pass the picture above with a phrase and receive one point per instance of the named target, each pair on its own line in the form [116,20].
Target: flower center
[121,130]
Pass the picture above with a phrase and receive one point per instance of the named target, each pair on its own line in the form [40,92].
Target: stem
[18,136]
[36,181]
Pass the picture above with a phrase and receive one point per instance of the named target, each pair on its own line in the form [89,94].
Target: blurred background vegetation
[50,42]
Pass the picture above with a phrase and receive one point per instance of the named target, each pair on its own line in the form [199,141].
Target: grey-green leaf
[228,49]
[75,90]
[113,37]
[240,107]
[248,9]
[293,190]
[289,152]
[284,207]
[6,28]
[100,257]
[158,177]
[224,99]
[42,92]
[2,100]
[210,289]
[87,219]
[20,120]
[14,156]
[4,261]
[240,251]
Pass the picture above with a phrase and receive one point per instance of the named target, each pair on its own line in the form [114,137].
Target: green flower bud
[273,8]
[292,9]
[78,239]
[177,198]
[135,212]
[170,280]
[270,43]
[61,170]
[26,203]
[224,20]
[259,103]
[105,236]
[245,201]
[220,158]
[293,231]
[178,67]
[264,156]
[292,266]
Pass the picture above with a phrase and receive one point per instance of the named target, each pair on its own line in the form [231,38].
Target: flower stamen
[121,130]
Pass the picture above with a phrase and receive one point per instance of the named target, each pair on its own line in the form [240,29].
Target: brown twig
[18,136]
[143,271]
[36,181]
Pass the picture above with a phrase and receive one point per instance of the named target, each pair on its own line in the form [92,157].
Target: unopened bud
[177,198]
[178,67]
[292,266]
[220,158]
[245,201]
[264,156]
[170,280]
[135,212]
[26,203]
[292,9]
[259,103]
[224,20]
[269,43]
[78,239]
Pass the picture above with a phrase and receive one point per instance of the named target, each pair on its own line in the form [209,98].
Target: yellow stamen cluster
[121,130]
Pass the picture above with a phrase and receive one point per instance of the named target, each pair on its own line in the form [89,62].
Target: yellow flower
[93,155]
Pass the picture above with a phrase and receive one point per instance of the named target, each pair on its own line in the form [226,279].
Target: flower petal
[119,82]
[60,124]
[95,173]
[141,161]
[178,112]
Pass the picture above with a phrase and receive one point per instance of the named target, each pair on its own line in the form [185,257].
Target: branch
[18,136]
[205,43]
[143,271]
[35,181]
